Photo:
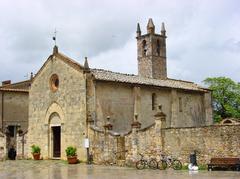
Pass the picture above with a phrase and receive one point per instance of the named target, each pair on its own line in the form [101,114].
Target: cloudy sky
[203,35]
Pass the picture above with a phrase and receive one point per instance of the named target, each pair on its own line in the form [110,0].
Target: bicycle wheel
[162,165]
[177,165]
[153,164]
[140,164]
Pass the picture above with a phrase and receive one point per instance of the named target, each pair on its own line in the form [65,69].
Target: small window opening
[54,82]
[153,101]
[12,131]
[144,47]
[158,47]
[180,104]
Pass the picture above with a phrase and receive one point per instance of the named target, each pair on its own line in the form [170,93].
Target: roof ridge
[14,90]
[99,69]
[106,75]
[16,83]
[181,80]
[103,70]
[63,57]
[70,59]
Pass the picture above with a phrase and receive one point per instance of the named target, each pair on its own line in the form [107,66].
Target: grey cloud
[203,36]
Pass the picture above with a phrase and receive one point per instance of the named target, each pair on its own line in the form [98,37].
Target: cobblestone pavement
[53,169]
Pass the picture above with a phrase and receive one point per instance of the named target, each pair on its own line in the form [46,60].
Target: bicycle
[143,163]
[168,161]
[157,164]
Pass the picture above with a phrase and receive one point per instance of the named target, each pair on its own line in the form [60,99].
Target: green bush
[185,167]
[35,149]
[71,151]
[202,167]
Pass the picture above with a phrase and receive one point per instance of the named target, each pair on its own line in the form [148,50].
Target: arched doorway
[55,135]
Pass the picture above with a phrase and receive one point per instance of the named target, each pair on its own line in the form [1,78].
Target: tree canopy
[226,97]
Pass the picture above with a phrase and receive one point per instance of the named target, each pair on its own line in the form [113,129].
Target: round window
[54,82]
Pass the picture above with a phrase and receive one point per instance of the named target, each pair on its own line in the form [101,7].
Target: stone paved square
[57,169]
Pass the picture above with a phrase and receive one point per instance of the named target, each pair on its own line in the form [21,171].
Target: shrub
[202,167]
[35,149]
[185,166]
[71,151]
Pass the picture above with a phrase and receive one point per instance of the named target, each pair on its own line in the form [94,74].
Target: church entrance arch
[54,121]
[55,135]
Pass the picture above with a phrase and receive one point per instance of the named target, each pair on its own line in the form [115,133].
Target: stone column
[208,108]
[135,127]
[160,123]
[3,145]
[137,101]
[88,136]
[21,144]
[107,127]
[174,108]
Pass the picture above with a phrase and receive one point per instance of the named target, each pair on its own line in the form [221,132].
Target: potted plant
[71,155]
[36,152]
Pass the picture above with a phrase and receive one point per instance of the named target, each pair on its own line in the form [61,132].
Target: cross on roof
[55,36]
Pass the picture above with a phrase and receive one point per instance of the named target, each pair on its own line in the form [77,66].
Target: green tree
[226,97]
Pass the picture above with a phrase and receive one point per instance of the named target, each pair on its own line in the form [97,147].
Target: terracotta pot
[72,159]
[36,156]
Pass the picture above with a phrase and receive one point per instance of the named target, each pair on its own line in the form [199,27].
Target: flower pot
[36,156]
[72,159]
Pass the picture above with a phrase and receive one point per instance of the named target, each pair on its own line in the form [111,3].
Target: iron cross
[55,37]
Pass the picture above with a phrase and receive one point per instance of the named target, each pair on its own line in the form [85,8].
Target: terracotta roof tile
[19,85]
[104,75]
[14,90]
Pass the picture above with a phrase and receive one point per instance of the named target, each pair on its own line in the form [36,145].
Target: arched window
[54,82]
[153,101]
[158,47]
[144,47]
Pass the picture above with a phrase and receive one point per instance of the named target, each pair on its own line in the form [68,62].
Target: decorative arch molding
[54,108]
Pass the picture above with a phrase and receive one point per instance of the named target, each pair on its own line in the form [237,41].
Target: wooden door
[56,131]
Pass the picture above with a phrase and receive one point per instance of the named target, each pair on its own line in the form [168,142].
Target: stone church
[67,103]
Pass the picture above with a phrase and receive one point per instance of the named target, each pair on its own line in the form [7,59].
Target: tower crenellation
[151,52]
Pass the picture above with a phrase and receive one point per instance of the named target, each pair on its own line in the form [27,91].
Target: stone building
[101,112]
[13,109]
[67,100]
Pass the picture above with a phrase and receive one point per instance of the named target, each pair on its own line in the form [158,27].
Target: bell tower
[151,52]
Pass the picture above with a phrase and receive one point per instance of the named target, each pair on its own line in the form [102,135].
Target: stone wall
[2,146]
[68,102]
[208,141]
[15,109]
[21,146]
[152,56]
[102,146]
[117,101]
[122,101]
[190,112]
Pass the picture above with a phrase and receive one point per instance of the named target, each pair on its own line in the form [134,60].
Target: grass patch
[185,167]
[202,167]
